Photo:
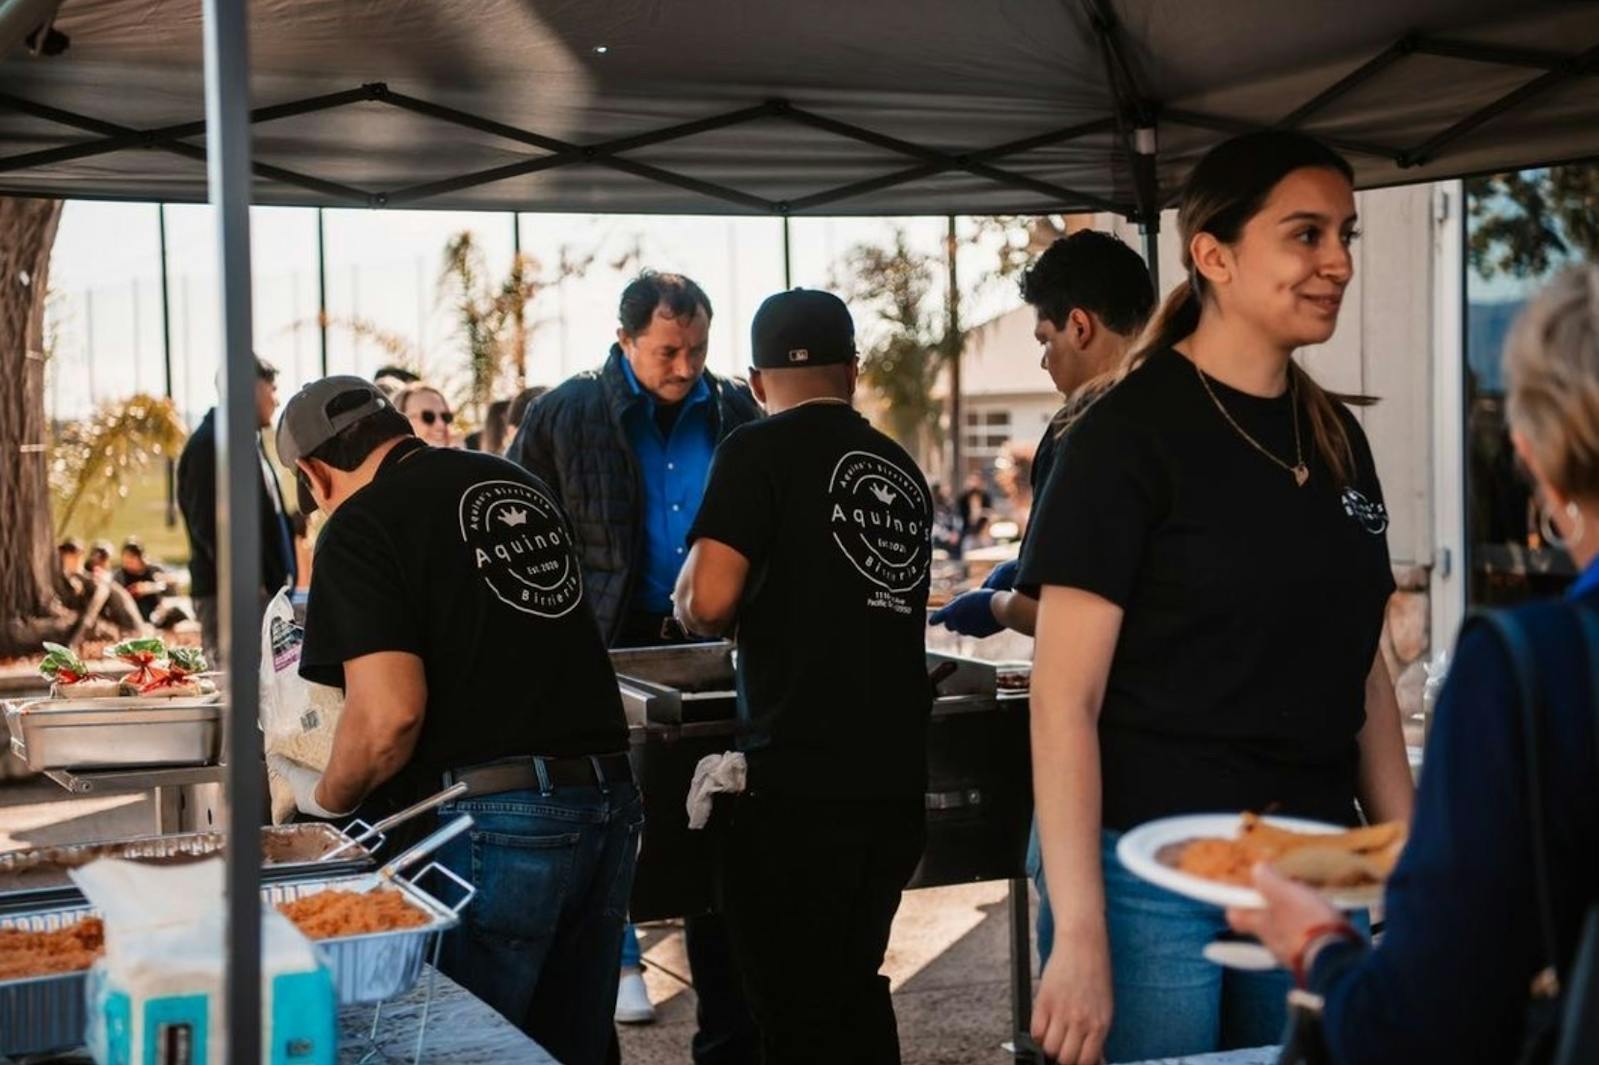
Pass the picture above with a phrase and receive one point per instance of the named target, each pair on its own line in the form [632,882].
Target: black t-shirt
[1253,607]
[835,520]
[464,559]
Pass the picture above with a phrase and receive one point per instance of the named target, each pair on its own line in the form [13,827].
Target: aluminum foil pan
[40,877]
[379,966]
[42,1013]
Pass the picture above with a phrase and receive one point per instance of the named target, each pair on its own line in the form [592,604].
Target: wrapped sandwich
[178,679]
[143,655]
[69,677]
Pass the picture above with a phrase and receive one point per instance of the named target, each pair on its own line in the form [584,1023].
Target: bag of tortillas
[298,717]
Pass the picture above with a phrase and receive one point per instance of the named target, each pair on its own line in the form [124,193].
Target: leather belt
[542,774]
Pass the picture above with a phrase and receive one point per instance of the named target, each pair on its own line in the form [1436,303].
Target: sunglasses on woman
[430,416]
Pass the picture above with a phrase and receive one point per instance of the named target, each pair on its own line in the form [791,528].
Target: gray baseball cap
[306,424]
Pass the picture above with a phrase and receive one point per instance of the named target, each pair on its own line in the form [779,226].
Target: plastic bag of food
[70,679]
[142,655]
[179,679]
[298,717]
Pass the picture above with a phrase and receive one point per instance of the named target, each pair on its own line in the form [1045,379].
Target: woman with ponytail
[1215,574]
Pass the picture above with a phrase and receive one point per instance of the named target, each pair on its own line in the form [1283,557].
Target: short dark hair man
[1091,296]
[197,499]
[448,603]
[627,449]
[815,538]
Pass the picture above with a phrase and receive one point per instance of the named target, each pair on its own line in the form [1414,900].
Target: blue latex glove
[1002,578]
[970,614]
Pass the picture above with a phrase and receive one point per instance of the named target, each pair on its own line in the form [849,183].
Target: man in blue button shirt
[627,448]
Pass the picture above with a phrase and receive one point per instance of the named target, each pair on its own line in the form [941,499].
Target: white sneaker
[633,999]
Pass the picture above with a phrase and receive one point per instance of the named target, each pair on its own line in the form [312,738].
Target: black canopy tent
[738,107]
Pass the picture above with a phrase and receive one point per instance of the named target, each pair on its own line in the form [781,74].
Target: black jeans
[809,889]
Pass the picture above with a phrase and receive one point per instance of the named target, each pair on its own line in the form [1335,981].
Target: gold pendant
[1301,475]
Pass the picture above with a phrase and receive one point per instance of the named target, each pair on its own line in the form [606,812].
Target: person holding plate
[1210,547]
[1466,937]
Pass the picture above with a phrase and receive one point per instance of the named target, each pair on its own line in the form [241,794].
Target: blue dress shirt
[672,472]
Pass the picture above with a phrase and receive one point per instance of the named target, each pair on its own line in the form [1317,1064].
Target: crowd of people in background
[1206,580]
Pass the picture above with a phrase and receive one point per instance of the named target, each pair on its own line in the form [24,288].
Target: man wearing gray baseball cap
[447,601]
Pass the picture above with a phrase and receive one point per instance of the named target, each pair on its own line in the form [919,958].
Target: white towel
[726,772]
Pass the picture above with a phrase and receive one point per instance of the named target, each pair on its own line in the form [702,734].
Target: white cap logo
[800,355]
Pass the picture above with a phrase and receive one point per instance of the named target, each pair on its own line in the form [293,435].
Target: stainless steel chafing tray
[977,677]
[100,734]
[677,684]
[41,876]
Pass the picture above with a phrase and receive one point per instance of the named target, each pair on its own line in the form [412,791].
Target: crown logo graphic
[884,494]
[513,517]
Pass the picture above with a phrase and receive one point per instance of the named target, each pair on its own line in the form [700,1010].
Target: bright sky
[382,267]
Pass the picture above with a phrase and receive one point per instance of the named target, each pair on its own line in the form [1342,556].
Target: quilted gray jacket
[572,439]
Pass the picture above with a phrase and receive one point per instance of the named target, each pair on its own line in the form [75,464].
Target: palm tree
[94,460]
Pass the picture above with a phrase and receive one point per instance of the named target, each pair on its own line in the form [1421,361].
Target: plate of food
[1211,857]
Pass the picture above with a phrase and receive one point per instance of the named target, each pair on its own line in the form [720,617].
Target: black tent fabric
[761,107]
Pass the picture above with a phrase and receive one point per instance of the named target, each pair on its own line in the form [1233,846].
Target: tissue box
[174,1028]
[155,998]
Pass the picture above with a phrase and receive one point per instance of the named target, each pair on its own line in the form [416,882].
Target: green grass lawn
[143,513]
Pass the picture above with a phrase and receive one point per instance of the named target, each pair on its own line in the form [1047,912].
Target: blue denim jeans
[632,951]
[540,941]
[1169,1000]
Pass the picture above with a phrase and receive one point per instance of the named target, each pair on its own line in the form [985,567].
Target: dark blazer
[1449,982]
[573,440]
[197,498]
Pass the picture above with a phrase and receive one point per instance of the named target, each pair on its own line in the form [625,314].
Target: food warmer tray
[111,733]
[39,877]
[677,684]
[45,1013]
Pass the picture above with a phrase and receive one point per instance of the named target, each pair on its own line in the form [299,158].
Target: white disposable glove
[303,780]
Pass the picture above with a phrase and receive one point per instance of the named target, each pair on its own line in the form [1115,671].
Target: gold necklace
[1300,471]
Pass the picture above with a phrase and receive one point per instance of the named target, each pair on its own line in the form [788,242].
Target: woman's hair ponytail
[1226,189]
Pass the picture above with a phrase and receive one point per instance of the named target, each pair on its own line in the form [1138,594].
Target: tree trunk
[27,553]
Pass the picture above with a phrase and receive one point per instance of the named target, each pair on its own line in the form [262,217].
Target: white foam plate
[1137,850]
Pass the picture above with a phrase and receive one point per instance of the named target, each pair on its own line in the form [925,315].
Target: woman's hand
[1071,1014]
[1292,910]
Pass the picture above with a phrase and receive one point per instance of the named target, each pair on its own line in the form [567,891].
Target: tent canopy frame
[1135,119]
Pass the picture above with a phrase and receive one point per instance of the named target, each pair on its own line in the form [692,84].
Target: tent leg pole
[227,102]
[1151,233]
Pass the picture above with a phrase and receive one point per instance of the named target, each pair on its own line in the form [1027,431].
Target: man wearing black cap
[814,538]
[448,603]
[197,499]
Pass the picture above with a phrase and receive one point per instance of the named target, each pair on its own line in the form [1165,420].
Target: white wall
[1383,348]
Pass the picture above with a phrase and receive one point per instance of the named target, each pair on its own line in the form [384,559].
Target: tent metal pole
[1150,229]
[1571,68]
[1355,78]
[788,257]
[322,291]
[227,98]
[1220,124]
[166,355]
[140,138]
[955,347]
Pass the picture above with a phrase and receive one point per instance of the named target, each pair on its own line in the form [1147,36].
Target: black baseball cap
[802,327]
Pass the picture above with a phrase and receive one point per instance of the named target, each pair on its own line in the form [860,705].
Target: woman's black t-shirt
[1252,606]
